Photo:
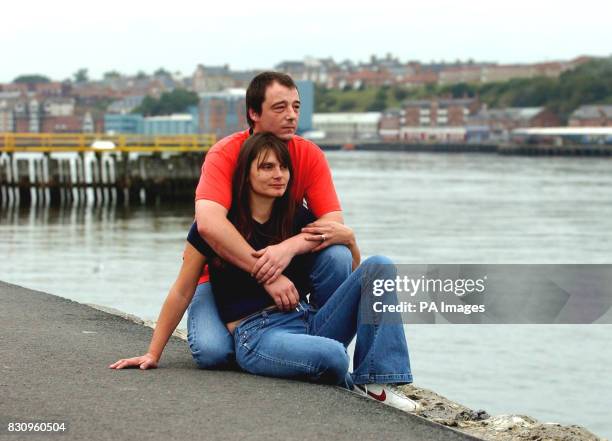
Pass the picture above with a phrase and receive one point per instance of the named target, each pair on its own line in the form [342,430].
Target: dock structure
[89,169]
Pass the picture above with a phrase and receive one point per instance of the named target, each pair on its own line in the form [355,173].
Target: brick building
[428,120]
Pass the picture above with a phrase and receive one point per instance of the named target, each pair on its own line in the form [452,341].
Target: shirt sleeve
[198,243]
[216,179]
[321,194]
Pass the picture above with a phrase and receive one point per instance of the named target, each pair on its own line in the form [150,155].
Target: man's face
[279,112]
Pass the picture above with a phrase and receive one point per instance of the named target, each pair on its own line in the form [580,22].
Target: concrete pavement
[54,355]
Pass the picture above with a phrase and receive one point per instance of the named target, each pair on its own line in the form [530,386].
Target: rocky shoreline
[480,424]
[441,410]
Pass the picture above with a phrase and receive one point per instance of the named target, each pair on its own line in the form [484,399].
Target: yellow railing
[81,142]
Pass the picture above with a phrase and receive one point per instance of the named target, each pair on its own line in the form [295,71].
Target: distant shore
[501,149]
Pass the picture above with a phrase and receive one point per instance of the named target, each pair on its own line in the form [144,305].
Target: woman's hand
[146,361]
[283,292]
[329,233]
[271,262]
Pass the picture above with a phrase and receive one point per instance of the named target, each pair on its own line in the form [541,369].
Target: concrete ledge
[54,355]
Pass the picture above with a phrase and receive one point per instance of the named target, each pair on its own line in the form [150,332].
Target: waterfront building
[428,120]
[347,127]
[307,100]
[176,124]
[597,115]
[560,136]
[497,124]
[123,123]
[222,113]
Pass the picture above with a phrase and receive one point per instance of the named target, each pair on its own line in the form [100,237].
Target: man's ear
[255,117]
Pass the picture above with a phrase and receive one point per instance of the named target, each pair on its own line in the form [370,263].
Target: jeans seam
[310,369]
[318,333]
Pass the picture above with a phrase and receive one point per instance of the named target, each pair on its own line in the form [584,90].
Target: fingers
[148,364]
[321,246]
[285,302]
[268,274]
[275,276]
[263,259]
[262,274]
[315,238]
[258,253]
[132,362]
[121,364]
[296,296]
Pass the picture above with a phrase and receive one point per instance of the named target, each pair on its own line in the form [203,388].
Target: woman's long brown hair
[257,148]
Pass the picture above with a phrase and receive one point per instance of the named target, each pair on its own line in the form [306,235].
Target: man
[273,105]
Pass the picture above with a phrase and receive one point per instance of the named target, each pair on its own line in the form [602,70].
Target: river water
[414,208]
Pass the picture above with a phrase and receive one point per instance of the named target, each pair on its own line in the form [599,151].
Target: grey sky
[57,38]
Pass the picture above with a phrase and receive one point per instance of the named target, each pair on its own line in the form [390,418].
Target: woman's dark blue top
[237,294]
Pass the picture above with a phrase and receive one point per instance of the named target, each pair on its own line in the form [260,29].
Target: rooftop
[592,112]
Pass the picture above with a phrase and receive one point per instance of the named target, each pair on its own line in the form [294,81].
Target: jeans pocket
[251,327]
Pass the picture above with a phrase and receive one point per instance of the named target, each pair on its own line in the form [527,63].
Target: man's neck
[261,207]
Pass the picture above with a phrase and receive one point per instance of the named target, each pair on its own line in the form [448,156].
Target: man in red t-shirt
[273,105]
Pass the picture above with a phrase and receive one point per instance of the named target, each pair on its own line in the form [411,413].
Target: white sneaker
[388,394]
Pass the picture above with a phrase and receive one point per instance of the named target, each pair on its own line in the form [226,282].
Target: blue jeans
[212,346]
[310,344]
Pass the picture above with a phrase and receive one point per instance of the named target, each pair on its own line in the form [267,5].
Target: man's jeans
[212,346]
[310,344]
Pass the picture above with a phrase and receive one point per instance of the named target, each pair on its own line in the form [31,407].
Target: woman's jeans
[310,344]
[212,346]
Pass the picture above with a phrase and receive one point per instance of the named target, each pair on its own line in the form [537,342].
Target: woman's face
[267,176]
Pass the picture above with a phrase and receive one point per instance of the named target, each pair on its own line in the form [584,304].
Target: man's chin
[285,136]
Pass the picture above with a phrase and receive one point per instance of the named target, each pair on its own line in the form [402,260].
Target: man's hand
[328,233]
[146,361]
[272,261]
[283,293]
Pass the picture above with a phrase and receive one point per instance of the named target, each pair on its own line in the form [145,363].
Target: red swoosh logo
[381,397]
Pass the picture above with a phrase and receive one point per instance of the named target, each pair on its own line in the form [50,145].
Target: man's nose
[291,114]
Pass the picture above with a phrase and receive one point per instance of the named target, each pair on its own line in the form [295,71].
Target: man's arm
[273,259]
[298,243]
[222,236]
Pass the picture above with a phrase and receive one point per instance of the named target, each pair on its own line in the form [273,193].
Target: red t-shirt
[312,178]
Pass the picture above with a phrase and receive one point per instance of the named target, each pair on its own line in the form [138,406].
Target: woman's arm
[172,311]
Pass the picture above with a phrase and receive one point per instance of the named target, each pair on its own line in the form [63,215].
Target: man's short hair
[256,92]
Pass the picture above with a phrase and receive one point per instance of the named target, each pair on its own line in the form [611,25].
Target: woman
[303,343]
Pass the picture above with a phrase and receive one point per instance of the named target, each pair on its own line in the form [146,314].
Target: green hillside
[591,83]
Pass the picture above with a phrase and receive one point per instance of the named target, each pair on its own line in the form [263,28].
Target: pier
[90,169]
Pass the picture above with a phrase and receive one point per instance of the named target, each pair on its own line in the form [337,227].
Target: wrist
[154,356]
[289,247]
